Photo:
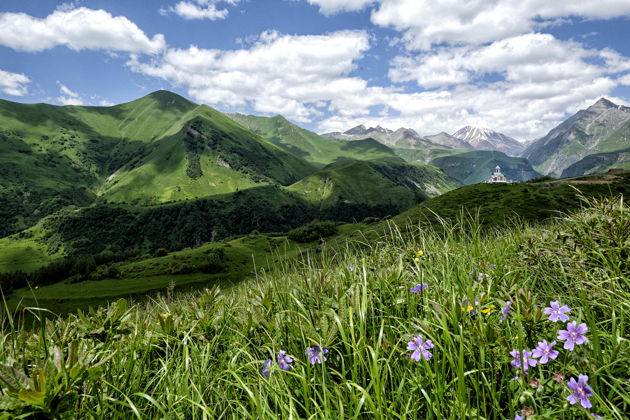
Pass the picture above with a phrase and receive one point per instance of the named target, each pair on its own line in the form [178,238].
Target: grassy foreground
[201,355]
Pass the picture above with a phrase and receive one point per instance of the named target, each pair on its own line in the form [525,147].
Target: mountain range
[593,140]
[165,158]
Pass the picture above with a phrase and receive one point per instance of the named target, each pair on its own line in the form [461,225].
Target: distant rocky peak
[604,104]
[358,130]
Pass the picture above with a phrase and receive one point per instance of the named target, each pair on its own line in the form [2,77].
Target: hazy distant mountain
[403,137]
[603,127]
[445,139]
[486,139]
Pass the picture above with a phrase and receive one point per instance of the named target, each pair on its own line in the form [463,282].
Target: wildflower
[528,411]
[488,309]
[420,253]
[596,416]
[350,267]
[482,276]
[558,377]
[581,391]
[265,369]
[517,417]
[284,360]
[544,352]
[420,347]
[419,288]
[573,335]
[505,311]
[164,316]
[526,358]
[534,383]
[316,354]
[467,308]
[557,312]
[492,267]
[416,259]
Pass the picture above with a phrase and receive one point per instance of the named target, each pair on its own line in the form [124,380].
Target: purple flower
[506,310]
[581,391]
[492,267]
[265,369]
[418,288]
[284,360]
[526,359]
[419,348]
[482,276]
[557,312]
[517,417]
[316,354]
[573,335]
[544,352]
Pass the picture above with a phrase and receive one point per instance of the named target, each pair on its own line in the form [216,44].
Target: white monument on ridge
[497,176]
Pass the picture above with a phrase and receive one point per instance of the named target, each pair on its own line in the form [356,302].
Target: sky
[516,66]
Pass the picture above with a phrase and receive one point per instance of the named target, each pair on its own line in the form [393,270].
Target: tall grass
[199,356]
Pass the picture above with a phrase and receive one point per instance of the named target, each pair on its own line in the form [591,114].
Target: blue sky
[519,67]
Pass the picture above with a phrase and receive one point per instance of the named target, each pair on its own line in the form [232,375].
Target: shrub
[313,231]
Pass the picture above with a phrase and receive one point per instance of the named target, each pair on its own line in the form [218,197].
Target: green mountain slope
[602,127]
[144,151]
[497,204]
[209,154]
[353,190]
[599,163]
[475,167]
[308,145]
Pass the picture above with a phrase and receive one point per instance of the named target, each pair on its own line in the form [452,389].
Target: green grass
[199,355]
[25,251]
[308,145]
[598,163]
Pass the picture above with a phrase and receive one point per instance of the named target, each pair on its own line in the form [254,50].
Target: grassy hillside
[308,145]
[599,163]
[353,190]
[426,155]
[209,154]
[499,204]
[216,353]
[477,166]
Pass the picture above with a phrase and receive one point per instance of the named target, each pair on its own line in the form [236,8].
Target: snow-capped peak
[483,138]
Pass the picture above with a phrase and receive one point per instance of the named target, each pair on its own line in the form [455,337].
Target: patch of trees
[78,268]
[313,231]
[176,226]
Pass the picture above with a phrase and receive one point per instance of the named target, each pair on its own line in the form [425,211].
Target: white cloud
[428,22]
[105,102]
[14,84]
[76,29]
[277,74]
[68,96]
[199,9]
[330,7]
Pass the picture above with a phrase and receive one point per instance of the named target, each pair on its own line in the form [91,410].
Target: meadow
[449,322]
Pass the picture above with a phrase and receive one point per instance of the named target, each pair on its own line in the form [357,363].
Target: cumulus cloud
[428,22]
[68,96]
[77,29]
[285,74]
[330,7]
[523,86]
[14,84]
[199,9]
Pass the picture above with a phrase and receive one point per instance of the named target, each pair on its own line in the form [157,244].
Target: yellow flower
[419,253]
[467,308]
[164,316]
[416,259]
[485,311]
